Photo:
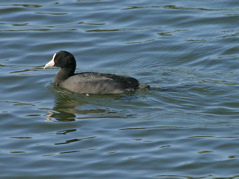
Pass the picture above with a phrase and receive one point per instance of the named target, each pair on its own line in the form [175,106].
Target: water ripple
[185,124]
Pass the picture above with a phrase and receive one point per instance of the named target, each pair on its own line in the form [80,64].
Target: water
[187,130]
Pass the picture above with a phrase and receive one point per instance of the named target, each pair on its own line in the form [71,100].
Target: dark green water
[189,130]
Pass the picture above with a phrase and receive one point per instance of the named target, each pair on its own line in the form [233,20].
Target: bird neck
[63,74]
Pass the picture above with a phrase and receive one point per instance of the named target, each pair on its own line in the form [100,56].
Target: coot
[89,82]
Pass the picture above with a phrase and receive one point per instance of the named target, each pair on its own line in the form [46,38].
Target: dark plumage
[89,82]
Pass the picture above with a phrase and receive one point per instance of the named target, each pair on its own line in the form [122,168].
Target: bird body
[88,82]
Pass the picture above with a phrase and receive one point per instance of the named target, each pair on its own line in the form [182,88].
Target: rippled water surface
[186,126]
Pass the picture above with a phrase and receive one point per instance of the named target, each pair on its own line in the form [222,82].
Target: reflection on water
[74,140]
[70,106]
[65,108]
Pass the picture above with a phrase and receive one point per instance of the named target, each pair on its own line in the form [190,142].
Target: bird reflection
[65,108]
[68,105]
